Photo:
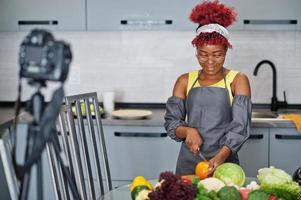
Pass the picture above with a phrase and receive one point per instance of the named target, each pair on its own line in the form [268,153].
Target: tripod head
[36,105]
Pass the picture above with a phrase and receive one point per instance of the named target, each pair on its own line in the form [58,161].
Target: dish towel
[295,118]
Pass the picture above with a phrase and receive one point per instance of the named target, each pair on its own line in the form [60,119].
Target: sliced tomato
[187,178]
[186,181]
[244,192]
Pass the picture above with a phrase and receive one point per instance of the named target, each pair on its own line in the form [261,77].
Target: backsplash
[142,66]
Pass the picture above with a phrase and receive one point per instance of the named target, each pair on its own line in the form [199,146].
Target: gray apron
[209,111]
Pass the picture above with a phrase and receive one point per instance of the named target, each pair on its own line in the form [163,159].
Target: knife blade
[201,155]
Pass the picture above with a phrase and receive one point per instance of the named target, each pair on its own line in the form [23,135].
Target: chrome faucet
[275,104]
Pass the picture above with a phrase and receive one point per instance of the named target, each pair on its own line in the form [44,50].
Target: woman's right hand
[193,140]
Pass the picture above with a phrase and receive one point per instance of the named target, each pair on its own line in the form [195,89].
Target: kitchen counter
[7,116]
[156,119]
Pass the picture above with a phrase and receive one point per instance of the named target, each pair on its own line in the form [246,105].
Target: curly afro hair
[209,12]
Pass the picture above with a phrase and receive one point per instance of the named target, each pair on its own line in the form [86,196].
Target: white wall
[142,66]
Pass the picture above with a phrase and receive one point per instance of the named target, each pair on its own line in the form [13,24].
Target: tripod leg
[66,172]
[25,186]
[33,143]
[40,178]
[26,178]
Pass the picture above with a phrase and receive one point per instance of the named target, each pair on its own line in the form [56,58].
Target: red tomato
[272,197]
[187,178]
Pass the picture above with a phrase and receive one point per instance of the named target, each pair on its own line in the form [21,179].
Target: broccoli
[203,194]
[200,197]
[258,195]
[195,180]
[229,193]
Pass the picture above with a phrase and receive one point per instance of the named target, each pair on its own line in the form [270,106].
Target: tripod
[40,132]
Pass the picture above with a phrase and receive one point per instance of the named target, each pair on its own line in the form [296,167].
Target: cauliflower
[212,184]
[253,185]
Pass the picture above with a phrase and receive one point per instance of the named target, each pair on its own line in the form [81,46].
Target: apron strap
[195,80]
[227,87]
[224,77]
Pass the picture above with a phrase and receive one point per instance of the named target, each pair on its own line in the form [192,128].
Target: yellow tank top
[192,76]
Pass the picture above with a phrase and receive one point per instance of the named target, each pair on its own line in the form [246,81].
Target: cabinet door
[139,15]
[254,153]
[268,14]
[139,150]
[285,148]
[17,15]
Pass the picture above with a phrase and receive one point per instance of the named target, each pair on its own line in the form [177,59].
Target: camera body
[42,58]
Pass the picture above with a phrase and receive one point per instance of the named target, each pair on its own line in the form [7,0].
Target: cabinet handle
[270,21]
[137,134]
[256,136]
[38,22]
[288,137]
[146,22]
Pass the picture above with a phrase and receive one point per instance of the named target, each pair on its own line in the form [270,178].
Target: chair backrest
[82,139]
[8,179]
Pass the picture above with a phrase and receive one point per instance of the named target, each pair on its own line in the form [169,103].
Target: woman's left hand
[219,158]
[215,162]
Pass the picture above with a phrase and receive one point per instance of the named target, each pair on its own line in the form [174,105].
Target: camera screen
[34,54]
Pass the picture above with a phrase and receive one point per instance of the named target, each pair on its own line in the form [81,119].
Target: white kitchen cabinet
[74,15]
[139,15]
[285,148]
[254,154]
[139,150]
[268,14]
[163,15]
[18,15]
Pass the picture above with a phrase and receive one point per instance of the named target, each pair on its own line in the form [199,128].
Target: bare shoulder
[180,86]
[241,85]
[241,77]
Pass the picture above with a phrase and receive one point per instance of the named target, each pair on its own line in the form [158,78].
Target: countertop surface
[6,116]
[156,119]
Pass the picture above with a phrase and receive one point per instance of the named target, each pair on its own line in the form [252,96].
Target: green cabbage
[278,182]
[273,175]
[230,174]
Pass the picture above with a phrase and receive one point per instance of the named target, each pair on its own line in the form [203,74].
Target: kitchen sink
[264,114]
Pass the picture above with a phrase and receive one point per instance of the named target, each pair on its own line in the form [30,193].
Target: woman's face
[211,58]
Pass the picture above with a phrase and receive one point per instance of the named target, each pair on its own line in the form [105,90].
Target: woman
[215,99]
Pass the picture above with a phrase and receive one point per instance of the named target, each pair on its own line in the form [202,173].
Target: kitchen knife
[201,155]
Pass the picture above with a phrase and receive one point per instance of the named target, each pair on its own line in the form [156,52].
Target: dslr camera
[42,58]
